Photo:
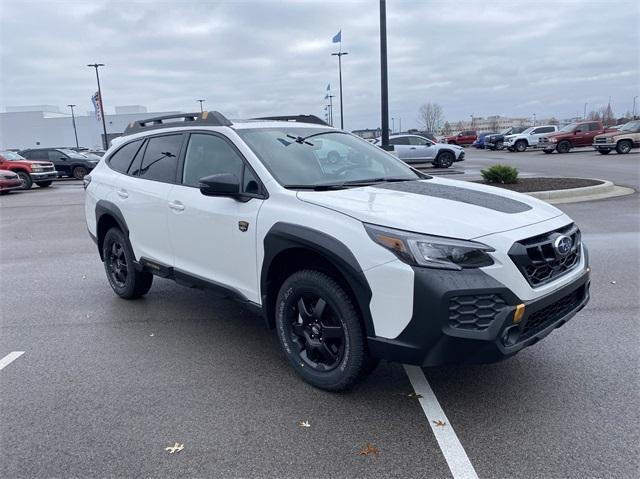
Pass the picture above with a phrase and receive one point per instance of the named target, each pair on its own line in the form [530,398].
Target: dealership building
[46,126]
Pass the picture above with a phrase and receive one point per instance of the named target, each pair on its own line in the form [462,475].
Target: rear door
[60,161]
[401,147]
[142,196]
[538,133]
[214,237]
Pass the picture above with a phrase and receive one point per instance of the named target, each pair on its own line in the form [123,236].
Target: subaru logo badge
[562,245]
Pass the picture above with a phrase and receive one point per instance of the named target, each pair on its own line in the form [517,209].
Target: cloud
[262,57]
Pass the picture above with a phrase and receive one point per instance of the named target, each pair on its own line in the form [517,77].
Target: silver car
[418,149]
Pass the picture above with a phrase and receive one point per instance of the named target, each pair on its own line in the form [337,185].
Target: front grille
[601,140]
[538,260]
[543,140]
[474,313]
[47,169]
[550,314]
[461,157]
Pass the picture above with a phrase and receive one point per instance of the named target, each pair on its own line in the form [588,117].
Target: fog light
[518,313]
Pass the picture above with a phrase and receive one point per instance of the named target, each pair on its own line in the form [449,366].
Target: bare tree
[446,129]
[430,116]
[594,115]
[606,113]
[459,126]
[553,121]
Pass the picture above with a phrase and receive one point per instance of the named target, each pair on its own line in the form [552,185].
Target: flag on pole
[326,97]
[328,86]
[337,38]
[95,99]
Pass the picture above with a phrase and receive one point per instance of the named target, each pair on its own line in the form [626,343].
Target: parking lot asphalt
[104,385]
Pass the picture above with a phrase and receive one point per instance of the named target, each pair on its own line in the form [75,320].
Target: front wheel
[79,172]
[623,147]
[26,180]
[321,332]
[563,147]
[444,160]
[119,264]
[500,145]
[44,184]
[521,146]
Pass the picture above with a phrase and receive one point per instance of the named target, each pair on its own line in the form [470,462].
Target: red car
[463,138]
[9,181]
[42,173]
[574,135]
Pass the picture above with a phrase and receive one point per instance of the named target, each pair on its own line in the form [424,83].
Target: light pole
[201,102]
[534,119]
[73,120]
[330,108]
[633,112]
[105,140]
[584,116]
[384,85]
[393,125]
[471,127]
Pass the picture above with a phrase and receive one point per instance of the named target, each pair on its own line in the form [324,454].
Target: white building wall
[29,129]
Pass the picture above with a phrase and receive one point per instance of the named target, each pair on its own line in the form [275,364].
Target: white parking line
[9,358]
[452,450]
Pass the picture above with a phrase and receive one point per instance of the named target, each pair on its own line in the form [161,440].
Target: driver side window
[209,155]
[416,140]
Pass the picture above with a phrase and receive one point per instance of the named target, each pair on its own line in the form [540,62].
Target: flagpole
[105,141]
[339,55]
[331,109]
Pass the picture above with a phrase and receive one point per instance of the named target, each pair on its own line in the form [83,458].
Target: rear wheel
[26,180]
[44,184]
[444,160]
[623,147]
[119,264]
[79,172]
[500,145]
[521,146]
[563,147]
[321,332]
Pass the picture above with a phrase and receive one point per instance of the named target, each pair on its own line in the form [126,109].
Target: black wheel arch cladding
[286,236]
[107,209]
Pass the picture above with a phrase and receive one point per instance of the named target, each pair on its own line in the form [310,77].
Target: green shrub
[500,174]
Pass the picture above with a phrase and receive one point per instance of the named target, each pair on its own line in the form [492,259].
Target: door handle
[123,194]
[176,206]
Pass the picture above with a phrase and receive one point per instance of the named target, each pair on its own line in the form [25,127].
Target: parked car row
[67,162]
[621,139]
[42,173]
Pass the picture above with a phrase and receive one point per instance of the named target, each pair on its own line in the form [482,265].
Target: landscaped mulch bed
[527,185]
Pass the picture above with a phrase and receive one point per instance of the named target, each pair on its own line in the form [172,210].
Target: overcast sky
[250,58]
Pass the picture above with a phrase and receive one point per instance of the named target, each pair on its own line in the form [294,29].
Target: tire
[125,280]
[604,152]
[521,146]
[25,177]
[79,172]
[4,192]
[563,147]
[44,184]
[444,160]
[500,145]
[325,345]
[548,152]
[623,147]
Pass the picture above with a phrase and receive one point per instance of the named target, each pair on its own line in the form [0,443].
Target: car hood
[442,207]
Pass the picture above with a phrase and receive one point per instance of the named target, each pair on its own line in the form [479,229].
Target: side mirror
[223,184]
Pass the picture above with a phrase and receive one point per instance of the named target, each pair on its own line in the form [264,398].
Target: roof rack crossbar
[208,118]
[295,118]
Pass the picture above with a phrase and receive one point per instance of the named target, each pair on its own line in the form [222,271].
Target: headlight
[611,140]
[431,251]
[36,169]
[553,140]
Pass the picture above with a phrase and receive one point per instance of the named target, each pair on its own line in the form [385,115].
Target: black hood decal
[455,193]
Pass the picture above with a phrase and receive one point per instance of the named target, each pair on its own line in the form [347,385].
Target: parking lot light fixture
[384,84]
[201,102]
[105,141]
[73,121]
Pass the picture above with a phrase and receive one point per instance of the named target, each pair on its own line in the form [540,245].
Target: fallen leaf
[175,448]
[304,424]
[439,423]
[369,450]
[613,282]
[410,395]
[84,277]
[151,335]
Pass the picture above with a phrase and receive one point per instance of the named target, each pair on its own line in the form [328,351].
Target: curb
[587,193]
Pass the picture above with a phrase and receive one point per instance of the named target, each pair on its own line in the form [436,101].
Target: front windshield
[73,154]
[631,126]
[506,131]
[11,155]
[569,127]
[528,130]
[295,158]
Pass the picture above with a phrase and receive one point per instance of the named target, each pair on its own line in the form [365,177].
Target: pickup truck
[581,133]
[42,173]
[462,138]
[529,138]
[622,140]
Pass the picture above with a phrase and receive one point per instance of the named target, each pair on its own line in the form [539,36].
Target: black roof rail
[207,118]
[295,118]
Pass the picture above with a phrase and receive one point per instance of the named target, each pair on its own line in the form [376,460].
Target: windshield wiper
[303,139]
[370,181]
[346,184]
[331,186]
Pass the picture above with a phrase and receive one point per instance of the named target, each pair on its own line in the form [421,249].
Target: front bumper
[6,184]
[45,176]
[485,332]
[604,146]
[460,157]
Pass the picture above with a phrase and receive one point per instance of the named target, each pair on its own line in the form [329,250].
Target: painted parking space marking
[9,358]
[454,453]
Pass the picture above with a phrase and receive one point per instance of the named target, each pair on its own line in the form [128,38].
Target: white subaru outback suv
[353,258]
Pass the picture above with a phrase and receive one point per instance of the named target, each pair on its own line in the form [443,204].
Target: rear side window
[160,161]
[38,155]
[209,155]
[121,160]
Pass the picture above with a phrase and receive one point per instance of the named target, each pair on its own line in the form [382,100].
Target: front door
[214,237]
[421,148]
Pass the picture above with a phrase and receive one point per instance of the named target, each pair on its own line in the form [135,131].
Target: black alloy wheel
[119,264]
[79,172]
[445,159]
[116,263]
[25,178]
[321,332]
[317,333]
